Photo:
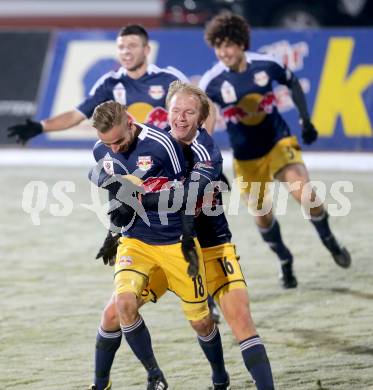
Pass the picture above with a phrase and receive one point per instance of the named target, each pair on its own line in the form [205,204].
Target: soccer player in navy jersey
[150,154]
[188,108]
[241,84]
[138,85]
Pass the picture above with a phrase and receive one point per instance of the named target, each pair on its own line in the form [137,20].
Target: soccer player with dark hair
[188,108]
[241,84]
[142,87]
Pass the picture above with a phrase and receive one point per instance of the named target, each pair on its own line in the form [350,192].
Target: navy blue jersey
[206,159]
[144,97]
[248,104]
[156,159]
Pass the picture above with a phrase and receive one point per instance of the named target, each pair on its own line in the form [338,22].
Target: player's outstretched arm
[63,121]
[23,132]
[309,133]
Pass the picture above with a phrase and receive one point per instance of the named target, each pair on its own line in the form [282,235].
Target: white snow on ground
[324,161]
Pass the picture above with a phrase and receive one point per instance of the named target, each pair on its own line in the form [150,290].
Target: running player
[241,84]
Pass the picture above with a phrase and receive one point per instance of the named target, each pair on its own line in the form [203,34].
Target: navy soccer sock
[256,361]
[138,338]
[322,225]
[272,236]
[107,344]
[213,350]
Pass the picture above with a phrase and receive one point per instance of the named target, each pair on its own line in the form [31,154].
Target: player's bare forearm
[62,121]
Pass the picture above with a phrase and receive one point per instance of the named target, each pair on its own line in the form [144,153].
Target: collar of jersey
[144,130]
[195,137]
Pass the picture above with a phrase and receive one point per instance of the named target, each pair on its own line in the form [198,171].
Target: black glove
[188,248]
[24,132]
[108,251]
[188,245]
[309,133]
[225,180]
[120,216]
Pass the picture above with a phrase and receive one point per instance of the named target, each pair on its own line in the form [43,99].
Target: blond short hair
[178,86]
[107,115]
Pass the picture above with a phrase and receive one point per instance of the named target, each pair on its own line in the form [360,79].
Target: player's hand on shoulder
[23,132]
[309,133]
[108,250]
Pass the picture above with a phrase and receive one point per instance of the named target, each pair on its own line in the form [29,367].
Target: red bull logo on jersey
[261,78]
[146,113]
[155,184]
[125,261]
[156,92]
[234,114]
[267,103]
[144,162]
[157,117]
[251,109]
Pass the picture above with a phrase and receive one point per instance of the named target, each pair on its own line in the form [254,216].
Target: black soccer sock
[107,344]
[210,301]
[138,338]
[272,236]
[213,350]
[256,361]
[322,225]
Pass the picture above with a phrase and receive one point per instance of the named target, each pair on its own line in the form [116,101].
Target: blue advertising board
[335,68]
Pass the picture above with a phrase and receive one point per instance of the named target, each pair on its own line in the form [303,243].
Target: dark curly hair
[228,27]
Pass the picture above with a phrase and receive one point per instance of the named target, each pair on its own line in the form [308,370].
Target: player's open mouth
[182,127]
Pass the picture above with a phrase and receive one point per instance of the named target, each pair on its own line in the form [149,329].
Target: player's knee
[110,318]
[241,318]
[127,307]
[203,327]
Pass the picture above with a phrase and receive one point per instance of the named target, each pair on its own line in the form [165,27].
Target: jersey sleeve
[96,97]
[210,83]
[208,170]
[175,155]
[178,74]
[168,153]
[209,159]
[98,151]
[280,72]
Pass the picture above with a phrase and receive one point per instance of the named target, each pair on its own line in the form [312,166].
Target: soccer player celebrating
[241,84]
[188,108]
[151,155]
[138,85]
